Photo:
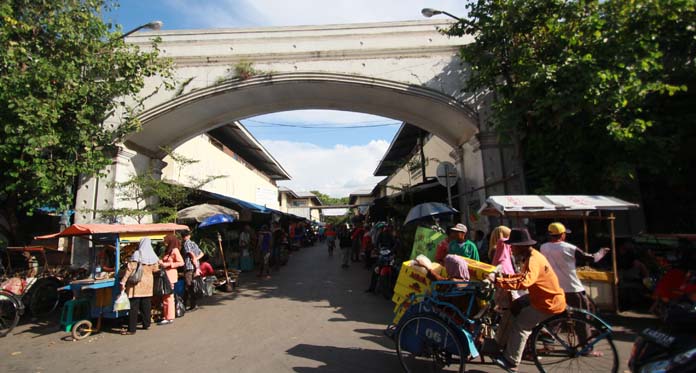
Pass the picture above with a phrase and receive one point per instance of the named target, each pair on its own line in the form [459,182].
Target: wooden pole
[587,243]
[615,281]
[228,285]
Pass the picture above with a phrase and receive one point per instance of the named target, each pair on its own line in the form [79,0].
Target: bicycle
[38,294]
[435,335]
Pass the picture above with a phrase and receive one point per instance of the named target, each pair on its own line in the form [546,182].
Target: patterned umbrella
[429,209]
[199,213]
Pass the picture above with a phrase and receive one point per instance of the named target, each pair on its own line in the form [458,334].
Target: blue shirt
[189,248]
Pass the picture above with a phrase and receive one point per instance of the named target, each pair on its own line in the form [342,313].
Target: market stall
[582,207]
[94,295]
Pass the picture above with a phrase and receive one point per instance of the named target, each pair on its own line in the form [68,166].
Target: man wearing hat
[545,298]
[460,245]
[563,257]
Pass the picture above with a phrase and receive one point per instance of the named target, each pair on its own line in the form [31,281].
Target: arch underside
[199,111]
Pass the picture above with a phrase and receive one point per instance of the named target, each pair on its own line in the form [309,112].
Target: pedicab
[101,245]
[34,289]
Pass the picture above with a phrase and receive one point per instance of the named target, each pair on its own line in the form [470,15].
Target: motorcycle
[386,272]
[331,244]
[671,349]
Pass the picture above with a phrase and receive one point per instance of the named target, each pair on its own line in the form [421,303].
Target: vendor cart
[562,207]
[94,296]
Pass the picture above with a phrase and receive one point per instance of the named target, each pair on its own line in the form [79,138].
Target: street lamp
[154,25]
[429,12]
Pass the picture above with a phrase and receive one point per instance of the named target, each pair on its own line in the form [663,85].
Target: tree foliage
[584,86]
[63,72]
[328,200]
[151,196]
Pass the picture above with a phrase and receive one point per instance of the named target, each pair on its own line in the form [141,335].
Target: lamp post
[429,12]
[154,25]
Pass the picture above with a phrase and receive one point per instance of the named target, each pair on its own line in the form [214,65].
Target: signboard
[426,242]
[447,174]
[267,197]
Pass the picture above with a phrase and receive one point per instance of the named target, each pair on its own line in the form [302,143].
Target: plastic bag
[179,307]
[197,286]
[122,303]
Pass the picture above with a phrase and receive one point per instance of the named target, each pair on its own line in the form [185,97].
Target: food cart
[581,207]
[94,296]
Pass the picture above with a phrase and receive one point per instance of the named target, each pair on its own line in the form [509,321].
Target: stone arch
[173,122]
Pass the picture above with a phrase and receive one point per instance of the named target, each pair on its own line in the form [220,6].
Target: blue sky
[346,157]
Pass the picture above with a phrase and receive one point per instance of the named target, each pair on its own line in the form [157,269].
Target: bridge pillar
[96,193]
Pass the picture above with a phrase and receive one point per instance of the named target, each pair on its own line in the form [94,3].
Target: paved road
[312,316]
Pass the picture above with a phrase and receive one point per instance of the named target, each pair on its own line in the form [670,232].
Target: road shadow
[627,326]
[342,359]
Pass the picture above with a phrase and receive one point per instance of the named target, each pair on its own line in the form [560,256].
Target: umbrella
[216,219]
[429,209]
[198,213]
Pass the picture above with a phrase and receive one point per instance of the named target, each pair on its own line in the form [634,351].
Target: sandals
[126,332]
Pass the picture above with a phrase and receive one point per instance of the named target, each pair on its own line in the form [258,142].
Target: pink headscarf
[456,267]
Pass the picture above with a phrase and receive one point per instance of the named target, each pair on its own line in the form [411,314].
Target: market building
[247,170]
[299,203]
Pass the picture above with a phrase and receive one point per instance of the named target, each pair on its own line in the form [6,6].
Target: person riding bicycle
[546,297]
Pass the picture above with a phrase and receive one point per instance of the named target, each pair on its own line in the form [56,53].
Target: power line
[319,126]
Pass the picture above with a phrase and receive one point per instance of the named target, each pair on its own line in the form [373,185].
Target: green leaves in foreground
[63,72]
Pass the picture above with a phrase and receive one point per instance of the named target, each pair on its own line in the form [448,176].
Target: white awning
[502,205]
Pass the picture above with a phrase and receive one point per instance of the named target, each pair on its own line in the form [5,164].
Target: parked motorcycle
[672,349]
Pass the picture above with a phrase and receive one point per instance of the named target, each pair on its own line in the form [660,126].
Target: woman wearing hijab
[499,251]
[171,260]
[140,294]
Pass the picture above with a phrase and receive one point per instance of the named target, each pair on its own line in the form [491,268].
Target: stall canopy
[552,205]
[87,229]
[563,206]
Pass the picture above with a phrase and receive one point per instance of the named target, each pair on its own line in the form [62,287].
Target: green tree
[63,72]
[584,85]
[328,200]
[153,196]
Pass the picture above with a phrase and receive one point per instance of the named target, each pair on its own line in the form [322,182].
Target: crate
[479,270]
[411,280]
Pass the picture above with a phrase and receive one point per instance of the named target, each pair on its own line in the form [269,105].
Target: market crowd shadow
[344,359]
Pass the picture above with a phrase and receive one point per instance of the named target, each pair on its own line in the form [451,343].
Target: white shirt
[561,256]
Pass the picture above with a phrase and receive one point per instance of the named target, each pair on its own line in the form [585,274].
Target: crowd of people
[183,255]
[531,285]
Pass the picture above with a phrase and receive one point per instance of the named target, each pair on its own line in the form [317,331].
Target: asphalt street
[311,316]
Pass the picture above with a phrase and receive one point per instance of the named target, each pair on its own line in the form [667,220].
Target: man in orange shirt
[546,297]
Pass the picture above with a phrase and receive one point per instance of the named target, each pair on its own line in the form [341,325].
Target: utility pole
[421,141]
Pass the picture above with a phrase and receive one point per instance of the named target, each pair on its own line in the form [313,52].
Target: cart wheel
[44,299]
[81,330]
[9,313]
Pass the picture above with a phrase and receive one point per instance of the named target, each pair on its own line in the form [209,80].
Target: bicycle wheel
[43,299]
[573,344]
[426,344]
[9,313]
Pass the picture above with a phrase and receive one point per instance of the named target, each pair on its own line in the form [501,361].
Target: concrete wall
[241,179]
[436,150]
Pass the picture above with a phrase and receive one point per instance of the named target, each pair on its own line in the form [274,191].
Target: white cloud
[336,171]
[245,13]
